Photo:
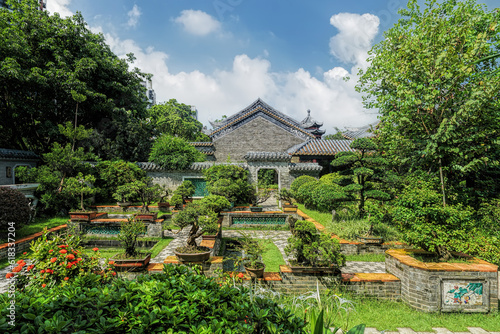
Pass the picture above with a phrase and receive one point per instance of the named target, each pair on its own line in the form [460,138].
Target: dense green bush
[312,248]
[230,181]
[306,193]
[176,301]
[14,208]
[327,197]
[174,153]
[185,190]
[215,203]
[112,174]
[294,187]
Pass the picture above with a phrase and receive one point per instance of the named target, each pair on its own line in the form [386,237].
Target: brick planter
[445,287]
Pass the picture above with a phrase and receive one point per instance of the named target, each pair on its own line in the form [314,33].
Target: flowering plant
[58,260]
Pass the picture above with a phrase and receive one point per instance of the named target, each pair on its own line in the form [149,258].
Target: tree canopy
[54,70]
[439,106]
[174,153]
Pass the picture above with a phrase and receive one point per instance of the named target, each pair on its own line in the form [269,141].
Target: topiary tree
[79,186]
[113,174]
[363,165]
[215,203]
[15,210]
[294,187]
[129,232]
[312,248]
[174,153]
[230,181]
[199,217]
[185,190]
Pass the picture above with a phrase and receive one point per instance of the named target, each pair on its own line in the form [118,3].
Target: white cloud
[355,37]
[197,22]
[59,6]
[133,16]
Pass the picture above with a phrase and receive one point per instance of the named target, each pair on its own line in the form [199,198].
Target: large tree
[176,119]
[439,106]
[54,70]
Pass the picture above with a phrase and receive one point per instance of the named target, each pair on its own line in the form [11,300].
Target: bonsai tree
[164,192]
[129,232]
[199,217]
[252,251]
[148,193]
[230,181]
[79,186]
[260,196]
[126,192]
[286,196]
[185,190]
[312,248]
[176,201]
[215,203]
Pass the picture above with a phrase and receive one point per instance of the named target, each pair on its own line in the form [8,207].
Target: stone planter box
[147,217]
[256,209]
[471,286]
[314,270]
[290,208]
[370,240]
[131,264]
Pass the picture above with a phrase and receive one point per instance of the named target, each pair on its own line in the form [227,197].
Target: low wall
[23,244]
[445,287]
[379,286]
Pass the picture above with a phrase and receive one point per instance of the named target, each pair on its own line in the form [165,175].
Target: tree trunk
[442,182]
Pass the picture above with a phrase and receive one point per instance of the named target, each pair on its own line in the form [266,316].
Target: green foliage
[176,119]
[199,217]
[439,105]
[58,261]
[294,187]
[425,223]
[148,193]
[215,203]
[364,165]
[54,70]
[286,195]
[312,248]
[185,190]
[174,153]
[230,181]
[327,197]
[112,174]
[79,185]
[266,177]
[259,196]
[127,192]
[175,301]
[305,193]
[129,232]
[15,209]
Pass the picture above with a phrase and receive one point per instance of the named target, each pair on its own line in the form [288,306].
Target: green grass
[107,252]
[36,226]
[366,257]
[272,257]
[387,315]
[257,228]
[160,245]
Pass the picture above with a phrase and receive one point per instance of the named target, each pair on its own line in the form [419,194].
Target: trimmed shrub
[298,182]
[174,153]
[326,197]
[229,181]
[14,208]
[306,193]
[112,174]
[176,301]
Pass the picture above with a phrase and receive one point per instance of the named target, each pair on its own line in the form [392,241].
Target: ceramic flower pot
[193,257]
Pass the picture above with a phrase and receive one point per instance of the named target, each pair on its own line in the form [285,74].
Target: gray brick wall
[257,135]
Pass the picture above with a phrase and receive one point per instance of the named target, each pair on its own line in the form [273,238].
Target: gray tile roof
[361,132]
[305,167]
[197,166]
[6,153]
[323,147]
[267,156]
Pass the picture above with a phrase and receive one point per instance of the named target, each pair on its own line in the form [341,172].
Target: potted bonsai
[313,250]
[147,193]
[131,259]
[251,258]
[258,197]
[125,193]
[80,186]
[176,202]
[286,196]
[215,203]
[163,204]
[186,191]
[197,217]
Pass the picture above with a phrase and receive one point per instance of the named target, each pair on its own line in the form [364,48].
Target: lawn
[366,257]
[272,257]
[36,226]
[107,252]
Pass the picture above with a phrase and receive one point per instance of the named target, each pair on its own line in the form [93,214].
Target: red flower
[30,267]
[240,275]
[20,262]
[17,269]
[50,251]
[63,251]
[62,246]
[66,278]
[53,260]
[113,273]
[69,266]
[44,285]
[95,249]
[79,259]
[70,256]
[43,270]
[9,275]
[25,253]
[111,262]
[49,271]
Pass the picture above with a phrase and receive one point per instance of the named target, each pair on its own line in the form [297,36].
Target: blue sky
[220,55]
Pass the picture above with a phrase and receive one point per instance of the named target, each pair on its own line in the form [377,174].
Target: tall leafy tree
[439,106]
[54,70]
[176,119]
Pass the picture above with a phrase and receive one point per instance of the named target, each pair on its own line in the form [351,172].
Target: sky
[221,55]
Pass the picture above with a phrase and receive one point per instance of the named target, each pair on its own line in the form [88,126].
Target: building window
[8,172]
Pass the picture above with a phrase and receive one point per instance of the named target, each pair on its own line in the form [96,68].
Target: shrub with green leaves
[113,174]
[230,181]
[58,260]
[298,182]
[215,203]
[15,209]
[312,248]
[307,192]
[174,153]
[129,232]
[175,301]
